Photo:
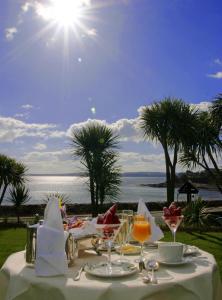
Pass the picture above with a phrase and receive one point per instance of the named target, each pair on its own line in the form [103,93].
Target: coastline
[205,186]
[86,208]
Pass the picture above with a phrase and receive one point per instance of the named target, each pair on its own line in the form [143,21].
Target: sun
[65,13]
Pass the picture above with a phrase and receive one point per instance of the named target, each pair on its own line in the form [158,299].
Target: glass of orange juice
[141,232]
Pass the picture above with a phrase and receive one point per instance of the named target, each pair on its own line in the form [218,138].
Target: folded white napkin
[156,232]
[50,252]
[87,229]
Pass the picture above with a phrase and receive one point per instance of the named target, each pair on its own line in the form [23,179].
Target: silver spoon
[79,272]
[152,265]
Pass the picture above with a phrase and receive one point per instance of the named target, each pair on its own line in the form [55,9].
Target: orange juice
[141,231]
[139,218]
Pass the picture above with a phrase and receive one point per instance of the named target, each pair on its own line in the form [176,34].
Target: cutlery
[141,265]
[79,272]
[152,265]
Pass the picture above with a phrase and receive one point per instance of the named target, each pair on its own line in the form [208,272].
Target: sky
[65,63]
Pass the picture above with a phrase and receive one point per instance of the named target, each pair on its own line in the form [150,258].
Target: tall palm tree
[216,111]
[170,122]
[18,196]
[95,144]
[205,149]
[12,173]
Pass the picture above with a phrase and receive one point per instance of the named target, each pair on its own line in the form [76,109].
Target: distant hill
[125,174]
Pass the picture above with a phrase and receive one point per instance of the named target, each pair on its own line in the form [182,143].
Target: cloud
[10,33]
[36,156]
[127,129]
[27,106]
[202,106]
[39,146]
[218,61]
[26,6]
[59,161]
[92,32]
[22,115]
[135,161]
[217,75]
[12,129]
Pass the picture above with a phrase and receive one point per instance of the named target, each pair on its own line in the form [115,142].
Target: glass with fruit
[141,232]
[108,226]
[172,217]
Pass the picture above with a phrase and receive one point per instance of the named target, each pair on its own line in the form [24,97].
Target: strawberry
[172,208]
[166,212]
[177,211]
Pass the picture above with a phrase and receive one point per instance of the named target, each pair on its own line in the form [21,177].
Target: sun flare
[65,13]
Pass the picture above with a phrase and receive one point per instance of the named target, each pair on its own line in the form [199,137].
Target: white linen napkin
[87,229]
[50,251]
[156,232]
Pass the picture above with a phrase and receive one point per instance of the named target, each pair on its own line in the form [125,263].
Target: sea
[76,189]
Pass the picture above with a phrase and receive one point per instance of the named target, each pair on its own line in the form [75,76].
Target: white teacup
[170,251]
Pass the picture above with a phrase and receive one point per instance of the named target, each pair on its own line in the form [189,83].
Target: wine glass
[108,233]
[141,231]
[173,223]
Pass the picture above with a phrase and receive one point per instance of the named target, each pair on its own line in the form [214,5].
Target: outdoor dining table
[197,279]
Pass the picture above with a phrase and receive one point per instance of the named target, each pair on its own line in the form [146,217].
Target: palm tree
[11,173]
[170,122]
[109,178]
[18,196]
[205,149]
[95,144]
[216,111]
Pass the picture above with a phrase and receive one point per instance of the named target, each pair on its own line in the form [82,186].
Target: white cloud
[202,106]
[39,146]
[134,161]
[92,32]
[27,106]
[127,129]
[10,33]
[217,75]
[12,129]
[218,61]
[22,115]
[26,6]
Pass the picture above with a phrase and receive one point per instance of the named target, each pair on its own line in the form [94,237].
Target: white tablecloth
[198,280]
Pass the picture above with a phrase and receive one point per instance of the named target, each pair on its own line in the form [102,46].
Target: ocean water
[77,191]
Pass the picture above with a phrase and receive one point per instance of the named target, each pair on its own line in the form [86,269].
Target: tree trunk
[167,176]
[206,167]
[3,193]
[92,195]
[18,217]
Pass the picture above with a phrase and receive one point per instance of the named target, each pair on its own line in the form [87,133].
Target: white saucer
[185,260]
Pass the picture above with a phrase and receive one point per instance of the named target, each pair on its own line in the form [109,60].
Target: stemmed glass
[141,232]
[128,216]
[124,233]
[173,223]
[108,232]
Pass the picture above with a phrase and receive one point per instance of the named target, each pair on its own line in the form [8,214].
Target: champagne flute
[128,216]
[141,232]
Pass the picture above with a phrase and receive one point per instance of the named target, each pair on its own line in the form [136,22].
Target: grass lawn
[12,240]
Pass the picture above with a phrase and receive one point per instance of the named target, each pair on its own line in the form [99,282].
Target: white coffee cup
[170,251]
